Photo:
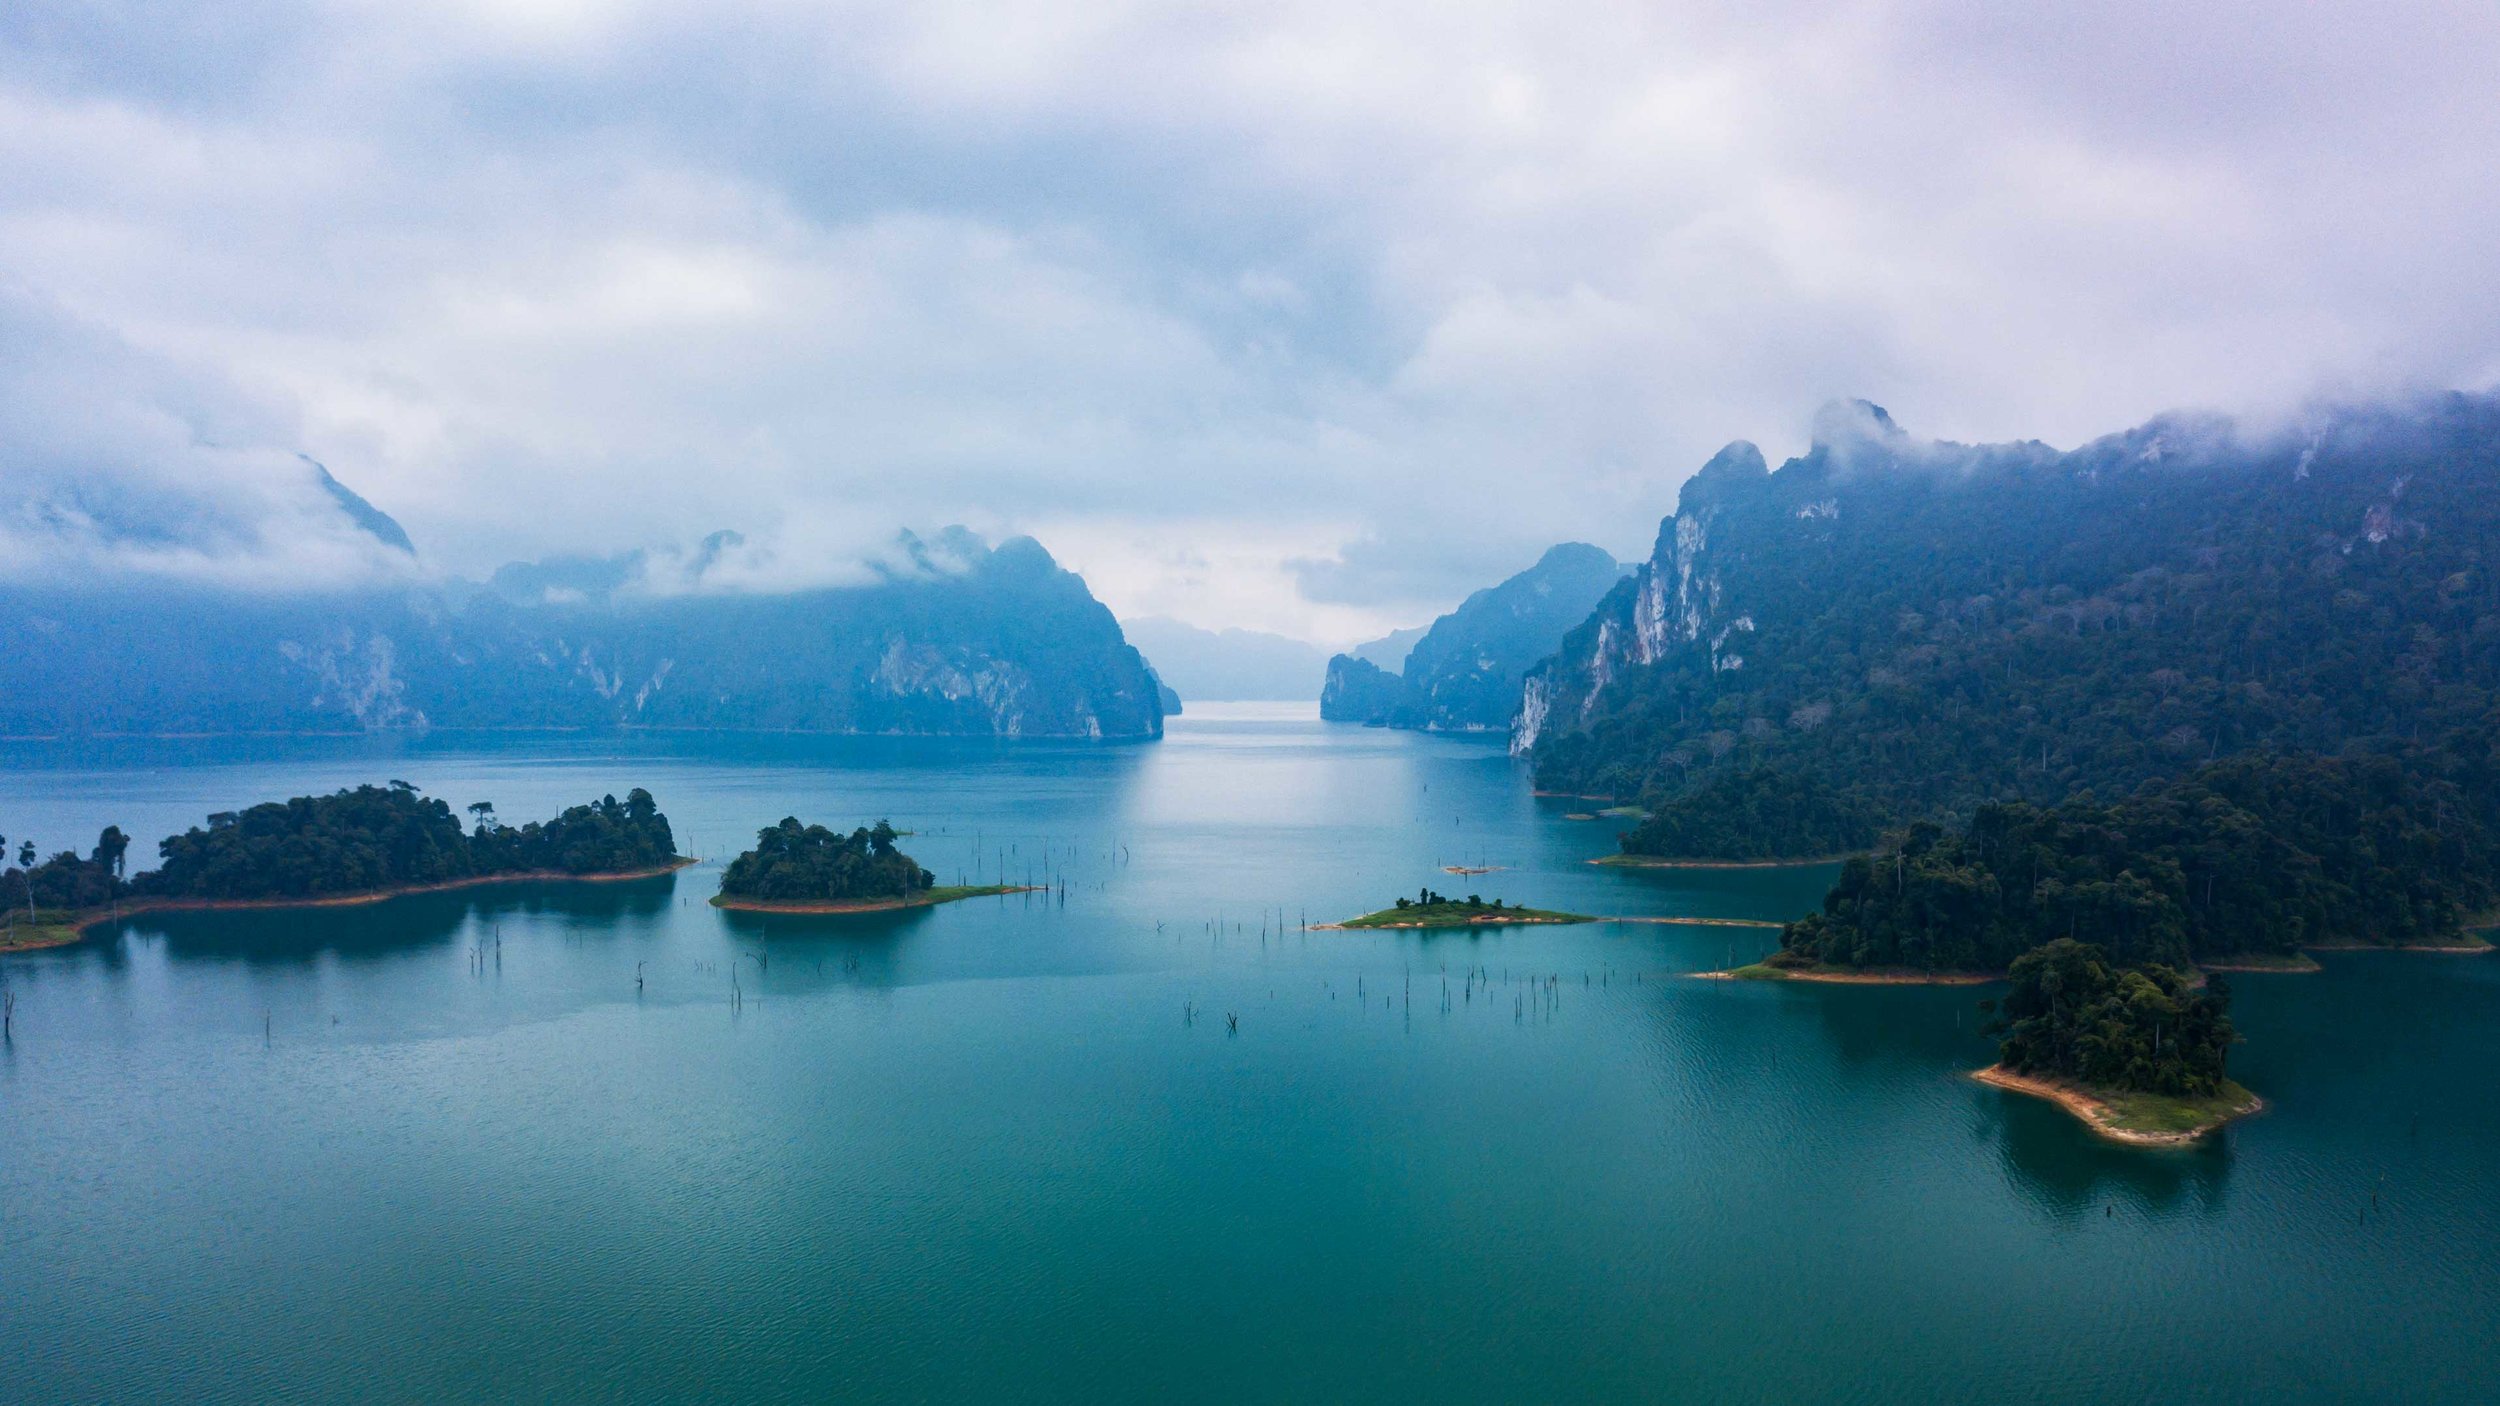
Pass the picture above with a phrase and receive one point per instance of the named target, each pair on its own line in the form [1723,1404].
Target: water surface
[444,1149]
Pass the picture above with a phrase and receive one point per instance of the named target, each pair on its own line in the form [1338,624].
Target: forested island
[796,868]
[354,845]
[2097,913]
[2190,695]
[2138,1053]
[1432,910]
[2251,856]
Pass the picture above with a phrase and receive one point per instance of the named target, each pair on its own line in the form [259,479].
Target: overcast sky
[1307,317]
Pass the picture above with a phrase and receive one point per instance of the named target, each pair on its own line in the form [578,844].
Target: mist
[1286,319]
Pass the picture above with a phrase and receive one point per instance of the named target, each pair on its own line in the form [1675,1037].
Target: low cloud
[1342,302]
[122,463]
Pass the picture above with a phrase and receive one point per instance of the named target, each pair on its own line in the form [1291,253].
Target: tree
[2255,853]
[2070,1013]
[795,863]
[2001,624]
[375,837]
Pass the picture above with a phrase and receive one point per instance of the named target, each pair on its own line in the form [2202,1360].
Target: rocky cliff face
[1672,601]
[1891,627]
[1464,674]
[1359,691]
[1731,557]
[1000,643]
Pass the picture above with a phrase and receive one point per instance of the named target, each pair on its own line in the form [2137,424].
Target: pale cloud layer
[1307,317]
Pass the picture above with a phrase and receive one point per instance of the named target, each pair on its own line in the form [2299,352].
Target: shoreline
[926,898]
[2096,1112]
[1852,976]
[2297,964]
[2472,946]
[1643,861]
[1485,922]
[562,730]
[75,929]
[1706,922]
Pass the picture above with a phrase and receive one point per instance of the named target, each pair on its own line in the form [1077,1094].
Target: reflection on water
[2067,1176]
[367,931]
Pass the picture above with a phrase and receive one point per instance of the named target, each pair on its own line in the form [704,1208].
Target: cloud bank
[1282,315]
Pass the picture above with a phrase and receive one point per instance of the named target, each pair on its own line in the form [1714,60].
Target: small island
[2137,1053]
[1432,910]
[796,868]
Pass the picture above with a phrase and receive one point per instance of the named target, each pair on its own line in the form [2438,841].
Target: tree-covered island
[1432,910]
[2139,1054]
[796,868]
[360,844]
[2100,912]
[384,839]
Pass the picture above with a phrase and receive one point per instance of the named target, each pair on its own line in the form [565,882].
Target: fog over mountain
[1206,665]
[951,636]
[1279,317]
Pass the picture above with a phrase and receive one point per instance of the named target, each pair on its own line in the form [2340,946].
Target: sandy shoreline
[78,925]
[869,905]
[1871,976]
[1483,922]
[2096,1112]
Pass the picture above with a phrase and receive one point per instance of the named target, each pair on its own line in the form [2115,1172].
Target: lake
[1017,1149]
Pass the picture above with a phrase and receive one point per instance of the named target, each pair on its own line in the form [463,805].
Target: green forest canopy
[795,863]
[2072,1014]
[1894,630]
[2262,853]
[358,840]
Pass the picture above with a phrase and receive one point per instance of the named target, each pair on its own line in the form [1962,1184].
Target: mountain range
[949,636]
[1463,674]
[1888,628]
[1227,664]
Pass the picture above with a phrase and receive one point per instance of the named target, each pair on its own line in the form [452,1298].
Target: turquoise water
[986,1152]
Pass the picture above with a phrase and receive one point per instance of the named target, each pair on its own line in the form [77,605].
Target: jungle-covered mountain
[1890,629]
[1464,674]
[951,636]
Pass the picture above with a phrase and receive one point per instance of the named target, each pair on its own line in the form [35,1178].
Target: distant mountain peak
[1848,430]
[1227,664]
[381,526]
[1463,674]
